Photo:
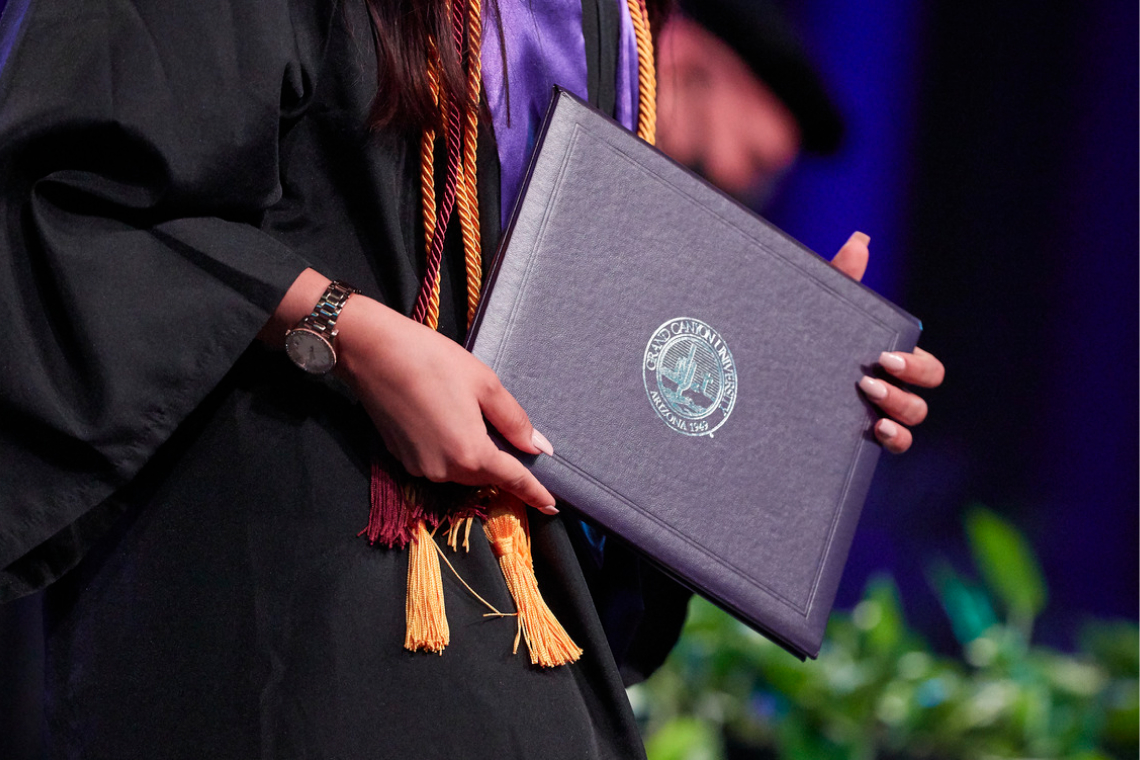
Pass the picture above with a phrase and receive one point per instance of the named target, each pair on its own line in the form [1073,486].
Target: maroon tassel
[388,522]
[399,501]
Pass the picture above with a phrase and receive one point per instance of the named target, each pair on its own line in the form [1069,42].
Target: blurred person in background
[738,96]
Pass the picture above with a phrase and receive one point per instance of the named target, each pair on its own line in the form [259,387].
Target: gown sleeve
[138,154]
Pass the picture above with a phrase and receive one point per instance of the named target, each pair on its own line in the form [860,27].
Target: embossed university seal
[690,376]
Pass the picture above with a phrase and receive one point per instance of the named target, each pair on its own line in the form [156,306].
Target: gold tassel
[546,640]
[426,617]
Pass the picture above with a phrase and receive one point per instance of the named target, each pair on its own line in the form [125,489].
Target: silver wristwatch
[310,343]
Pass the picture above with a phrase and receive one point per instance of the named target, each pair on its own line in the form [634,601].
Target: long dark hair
[401,30]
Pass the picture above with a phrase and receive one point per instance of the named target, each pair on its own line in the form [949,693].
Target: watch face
[310,351]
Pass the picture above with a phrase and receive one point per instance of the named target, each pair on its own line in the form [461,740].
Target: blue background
[992,157]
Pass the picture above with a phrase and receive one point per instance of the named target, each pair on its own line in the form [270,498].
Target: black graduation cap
[761,35]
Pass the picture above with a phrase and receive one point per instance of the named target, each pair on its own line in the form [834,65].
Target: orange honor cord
[646,72]
[398,517]
[468,199]
[427,151]
[426,616]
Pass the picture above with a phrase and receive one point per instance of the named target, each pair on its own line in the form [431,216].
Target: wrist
[363,323]
[297,302]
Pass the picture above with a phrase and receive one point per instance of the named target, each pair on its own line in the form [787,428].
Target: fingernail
[892,361]
[540,443]
[862,237]
[888,429]
[875,389]
[550,510]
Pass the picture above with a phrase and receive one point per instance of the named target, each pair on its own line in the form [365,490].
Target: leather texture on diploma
[611,240]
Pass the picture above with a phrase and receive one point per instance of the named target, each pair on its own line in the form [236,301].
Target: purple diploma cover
[695,369]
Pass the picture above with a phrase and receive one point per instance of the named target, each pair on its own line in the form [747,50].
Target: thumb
[509,474]
[852,257]
[508,417]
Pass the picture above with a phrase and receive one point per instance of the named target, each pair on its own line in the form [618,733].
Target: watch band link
[324,315]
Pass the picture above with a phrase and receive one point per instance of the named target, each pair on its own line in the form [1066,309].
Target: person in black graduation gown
[172,171]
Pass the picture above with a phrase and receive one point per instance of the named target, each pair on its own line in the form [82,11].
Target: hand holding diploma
[429,399]
[918,368]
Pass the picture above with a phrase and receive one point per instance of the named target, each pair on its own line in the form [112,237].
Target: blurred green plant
[878,691]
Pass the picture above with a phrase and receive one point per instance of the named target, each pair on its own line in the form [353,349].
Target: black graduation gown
[168,169]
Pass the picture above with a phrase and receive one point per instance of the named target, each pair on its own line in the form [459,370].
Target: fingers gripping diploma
[428,398]
[903,408]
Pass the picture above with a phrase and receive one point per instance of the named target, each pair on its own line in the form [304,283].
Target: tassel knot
[502,546]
